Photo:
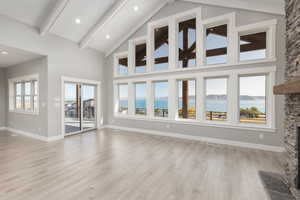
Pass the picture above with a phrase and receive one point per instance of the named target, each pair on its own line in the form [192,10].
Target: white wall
[239,135]
[36,124]
[64,59]
[2,98]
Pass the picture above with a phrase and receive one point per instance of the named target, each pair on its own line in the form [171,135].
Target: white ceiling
[88,12]
[15,56]
[31,12]
[60,16]
[119,26]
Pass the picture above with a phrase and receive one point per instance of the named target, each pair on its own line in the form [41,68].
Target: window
[253,99]
[186,99]
[161,48]
[161,94]
[140,98]
[253,46]
[123,98]
[23,95]
[187,43]
[216,45]
[216,99]
[140,58]
[123,66]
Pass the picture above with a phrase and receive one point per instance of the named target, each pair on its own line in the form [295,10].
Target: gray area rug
[275,186]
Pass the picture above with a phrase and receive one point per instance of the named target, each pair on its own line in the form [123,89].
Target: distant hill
[219,98]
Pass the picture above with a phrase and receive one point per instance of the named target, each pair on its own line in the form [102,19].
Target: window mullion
[172,42]
[131,98]
[172,106]
[200,98]
[233,99]
[23,96]
[150,99]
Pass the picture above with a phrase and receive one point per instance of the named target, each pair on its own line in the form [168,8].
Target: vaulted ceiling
[103,23]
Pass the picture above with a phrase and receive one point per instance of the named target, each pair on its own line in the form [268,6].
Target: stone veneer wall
[292,102]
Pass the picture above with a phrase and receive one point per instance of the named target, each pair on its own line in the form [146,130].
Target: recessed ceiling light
[107,36]
[4,52]
[135,8]
[77,21]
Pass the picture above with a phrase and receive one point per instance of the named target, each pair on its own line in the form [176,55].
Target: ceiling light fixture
[107,36]
[77,21]
[135,8]
[4,52]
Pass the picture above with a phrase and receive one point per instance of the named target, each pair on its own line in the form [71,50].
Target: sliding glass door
[88,107]
[80,108]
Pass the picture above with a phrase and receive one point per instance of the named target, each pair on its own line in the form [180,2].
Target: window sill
[225,124]
[24,112]
[195,69]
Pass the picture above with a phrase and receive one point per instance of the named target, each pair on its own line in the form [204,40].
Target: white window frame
[12,94]
[152,96]
[117,56]
[269,101]
[229,113]
[181,17]
[168,21]
[147,98]
[201,26]
[177,97]
[132,46]
[117,98]
[200,77]
[268,26]
[230,20]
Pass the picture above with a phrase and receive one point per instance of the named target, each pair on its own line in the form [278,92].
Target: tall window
[18,96]
[25,96]
[161,99]
[253,46]
[140,58]
[140,98]
[253,99]
[123,66]
[123,98]
[187,99]
[216,99]
[161,48]
[187,43]
[216,45]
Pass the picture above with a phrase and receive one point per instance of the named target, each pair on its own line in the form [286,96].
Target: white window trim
[232,121]
[117,56]
[168,21]
[176,96]
[132,46]
[134,97]
[117,98]
[230,20]
[190,14]
[233,43]
[152,97]
[268,26]
[12,93]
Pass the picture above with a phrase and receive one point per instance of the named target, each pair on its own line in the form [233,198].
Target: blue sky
[88,92]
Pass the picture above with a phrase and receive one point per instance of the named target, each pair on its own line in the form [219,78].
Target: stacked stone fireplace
[292,101]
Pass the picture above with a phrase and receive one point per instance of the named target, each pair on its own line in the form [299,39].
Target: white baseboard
[33,135]
[203,139]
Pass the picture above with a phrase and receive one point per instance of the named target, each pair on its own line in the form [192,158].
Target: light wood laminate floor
[117,165]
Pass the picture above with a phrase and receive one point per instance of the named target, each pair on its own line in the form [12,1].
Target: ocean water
[211,105]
